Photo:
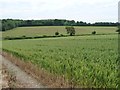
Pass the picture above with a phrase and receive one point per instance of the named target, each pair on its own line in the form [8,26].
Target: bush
[56,33]
[118,31]
[94,32]
[23,36]
[61,35]
[44,36]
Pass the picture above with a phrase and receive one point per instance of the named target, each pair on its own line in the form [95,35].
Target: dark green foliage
[70,30]
[23,36]
[105,24]
[56,33]
[94,32]
[61,35]
[118,30]
[81,23]
[8,24]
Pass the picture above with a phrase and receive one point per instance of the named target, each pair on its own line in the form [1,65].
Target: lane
[21,76]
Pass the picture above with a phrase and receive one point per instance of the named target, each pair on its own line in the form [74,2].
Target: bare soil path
[21,76]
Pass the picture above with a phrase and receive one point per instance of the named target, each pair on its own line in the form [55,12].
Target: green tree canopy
[70,30]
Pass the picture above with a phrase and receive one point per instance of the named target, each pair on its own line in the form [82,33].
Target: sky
[78,10]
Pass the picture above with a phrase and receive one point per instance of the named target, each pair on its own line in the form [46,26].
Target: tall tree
[70,30]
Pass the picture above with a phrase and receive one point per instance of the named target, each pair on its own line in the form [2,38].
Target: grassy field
[50,31]
[89,61]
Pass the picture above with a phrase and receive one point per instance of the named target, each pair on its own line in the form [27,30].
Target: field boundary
[10,78]
[44,36]
[47,79]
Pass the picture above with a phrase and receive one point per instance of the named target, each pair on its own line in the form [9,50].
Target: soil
[18,75]
[27,69]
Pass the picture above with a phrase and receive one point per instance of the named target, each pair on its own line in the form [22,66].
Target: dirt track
[21,76]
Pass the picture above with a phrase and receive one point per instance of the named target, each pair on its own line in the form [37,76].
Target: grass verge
[47,79]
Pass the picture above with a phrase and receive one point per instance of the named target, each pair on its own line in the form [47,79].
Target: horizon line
[63,19]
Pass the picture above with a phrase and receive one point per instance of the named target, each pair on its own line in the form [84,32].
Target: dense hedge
[8,24]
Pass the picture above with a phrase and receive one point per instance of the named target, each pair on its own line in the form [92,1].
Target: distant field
[50,30]
[90,59]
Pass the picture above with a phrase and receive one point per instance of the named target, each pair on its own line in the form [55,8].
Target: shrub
[94,32]
[56,33]
[61,35]
[118,31]
[23,36]
[44,36]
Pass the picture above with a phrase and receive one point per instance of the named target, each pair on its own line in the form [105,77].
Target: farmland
[50,31]
[89,61]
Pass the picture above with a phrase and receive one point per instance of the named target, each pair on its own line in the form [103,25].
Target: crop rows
[87,61]
[50,31]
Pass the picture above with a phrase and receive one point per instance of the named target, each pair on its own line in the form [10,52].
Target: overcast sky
[78,10]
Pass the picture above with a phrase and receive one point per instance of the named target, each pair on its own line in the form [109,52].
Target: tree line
[8,24]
